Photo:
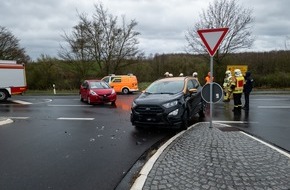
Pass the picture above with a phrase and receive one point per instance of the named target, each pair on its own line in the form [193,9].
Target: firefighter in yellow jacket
[227,85]
[237,86]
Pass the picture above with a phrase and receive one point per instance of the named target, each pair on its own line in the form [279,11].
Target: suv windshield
[165,87]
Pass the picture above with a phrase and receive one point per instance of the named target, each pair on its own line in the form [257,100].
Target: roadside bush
[276,80]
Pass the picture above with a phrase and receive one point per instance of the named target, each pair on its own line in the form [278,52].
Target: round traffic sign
[217,92]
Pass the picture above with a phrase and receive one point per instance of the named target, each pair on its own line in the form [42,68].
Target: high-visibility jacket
[227,82]
[207,79]
[238,82]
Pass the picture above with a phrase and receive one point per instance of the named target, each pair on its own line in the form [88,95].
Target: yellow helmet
[238,73]
[228,73]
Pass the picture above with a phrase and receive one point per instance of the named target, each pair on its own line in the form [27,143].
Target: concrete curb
[140,181]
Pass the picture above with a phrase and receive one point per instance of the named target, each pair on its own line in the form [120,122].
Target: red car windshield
[100,84]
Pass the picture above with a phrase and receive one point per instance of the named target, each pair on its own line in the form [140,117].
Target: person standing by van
[248,86]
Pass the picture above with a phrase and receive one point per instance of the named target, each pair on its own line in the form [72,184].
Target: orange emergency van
[122,83]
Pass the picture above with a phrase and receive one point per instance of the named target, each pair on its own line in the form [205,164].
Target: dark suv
[168,102]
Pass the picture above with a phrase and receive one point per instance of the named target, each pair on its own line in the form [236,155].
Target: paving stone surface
[212,159]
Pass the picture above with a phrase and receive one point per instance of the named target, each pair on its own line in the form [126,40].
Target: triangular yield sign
[212,38]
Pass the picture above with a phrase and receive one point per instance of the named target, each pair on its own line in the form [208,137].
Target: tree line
[269,69]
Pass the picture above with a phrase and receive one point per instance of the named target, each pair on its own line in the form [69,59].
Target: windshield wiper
[165,93]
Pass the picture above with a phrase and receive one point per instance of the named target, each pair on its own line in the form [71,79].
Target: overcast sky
[39,24]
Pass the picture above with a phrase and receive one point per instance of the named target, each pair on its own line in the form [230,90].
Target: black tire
[125,91]
[81,99]
[185,121]
[3,95]
[139,127]
[201,112]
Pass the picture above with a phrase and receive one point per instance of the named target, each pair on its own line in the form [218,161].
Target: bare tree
[287,38]
[10,48]
[221,14]
[102,40]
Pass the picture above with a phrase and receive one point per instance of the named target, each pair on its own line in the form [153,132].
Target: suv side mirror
[192,90]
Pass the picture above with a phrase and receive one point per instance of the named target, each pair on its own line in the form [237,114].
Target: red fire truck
[12,79]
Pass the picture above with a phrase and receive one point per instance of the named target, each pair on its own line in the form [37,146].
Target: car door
[116,83]
[194,96]
[197,96]
[189,97]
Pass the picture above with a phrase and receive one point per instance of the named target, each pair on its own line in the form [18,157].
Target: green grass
[51,92]
[141,85]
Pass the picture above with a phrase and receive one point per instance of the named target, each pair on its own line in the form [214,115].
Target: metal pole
[54,92]
[210,93]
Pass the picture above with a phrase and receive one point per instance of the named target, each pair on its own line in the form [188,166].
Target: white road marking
[21,102]
[19,117]
[6,121]
[47,100]
[269,145]
[74,118]
[235,122]
[270,99]
[239,122]
[69,105]
[274,107]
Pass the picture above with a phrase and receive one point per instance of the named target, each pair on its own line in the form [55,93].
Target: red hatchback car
[97,91]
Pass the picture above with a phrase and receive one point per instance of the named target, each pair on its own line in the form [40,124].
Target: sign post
[212,38]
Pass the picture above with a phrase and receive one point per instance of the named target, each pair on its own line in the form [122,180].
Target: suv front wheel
[201,112]
[185,120]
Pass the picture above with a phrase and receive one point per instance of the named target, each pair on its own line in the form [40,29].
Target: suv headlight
[174,113]
[134,104]
[170,104]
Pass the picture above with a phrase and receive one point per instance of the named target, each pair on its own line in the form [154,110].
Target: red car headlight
[93,93]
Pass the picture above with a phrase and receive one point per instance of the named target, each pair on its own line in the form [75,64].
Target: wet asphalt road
[59,142]
[62,143]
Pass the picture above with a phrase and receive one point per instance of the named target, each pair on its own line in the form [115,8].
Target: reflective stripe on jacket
[239,84]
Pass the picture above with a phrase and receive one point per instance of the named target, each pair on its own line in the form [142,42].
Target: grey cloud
[39,24]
